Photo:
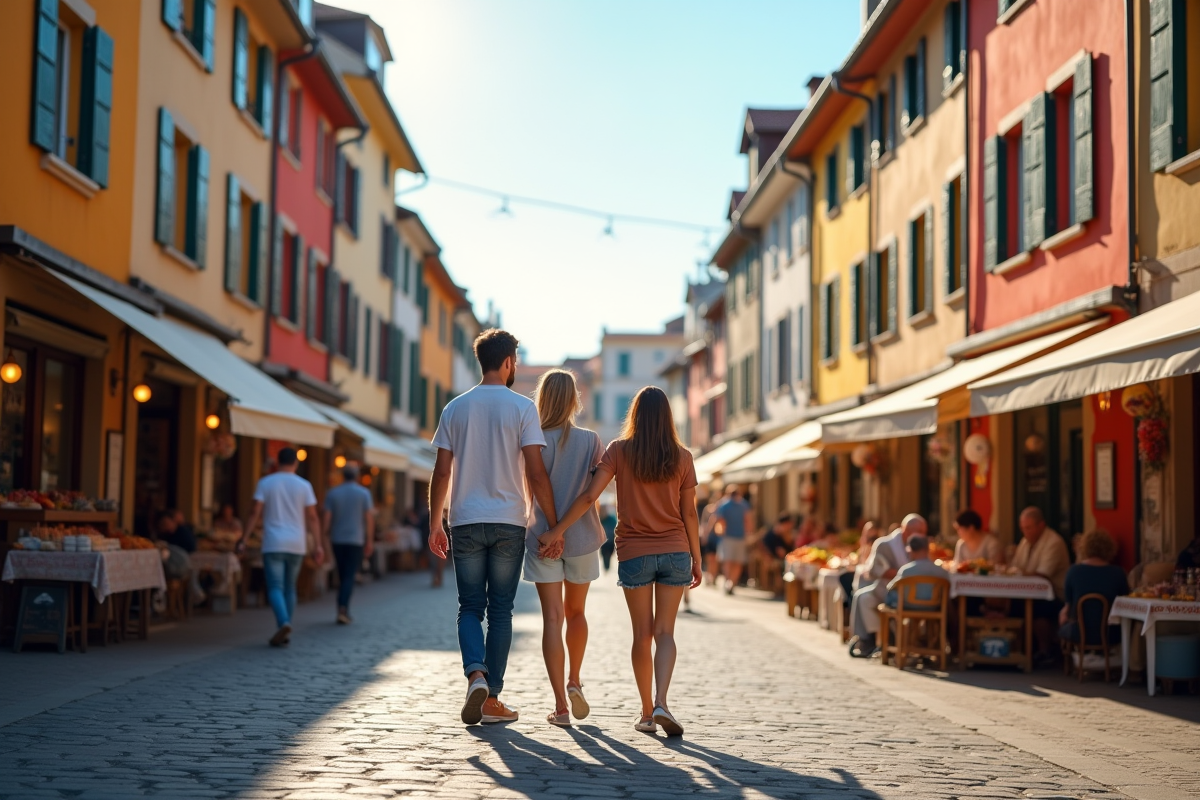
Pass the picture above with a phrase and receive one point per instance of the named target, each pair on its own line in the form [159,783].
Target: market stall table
[800,581]
[108,573]
[1006,587]
[1149,611]
[226,567]
[829,581]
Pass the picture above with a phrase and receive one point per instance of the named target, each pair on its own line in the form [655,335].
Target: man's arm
[439,484]
[314,530]
[539,482]
[250,525]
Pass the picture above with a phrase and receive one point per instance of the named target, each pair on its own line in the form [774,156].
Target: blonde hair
[1097,544]
[558,402]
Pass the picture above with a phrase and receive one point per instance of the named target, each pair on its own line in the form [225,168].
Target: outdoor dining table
[829,581]
[1149,611]
[108,573]
[226,567]
[1007,587]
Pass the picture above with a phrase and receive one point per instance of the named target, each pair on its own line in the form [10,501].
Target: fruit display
[1165,591]
[939,552]
[78,539]
[30,499]
[26,499]
[976,566]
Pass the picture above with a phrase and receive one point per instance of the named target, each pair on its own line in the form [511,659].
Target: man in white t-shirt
[489,443]
[287,506]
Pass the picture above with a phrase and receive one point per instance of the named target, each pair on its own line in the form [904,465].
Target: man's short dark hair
[286,457]
[918,543]
[350,472]
[492,347]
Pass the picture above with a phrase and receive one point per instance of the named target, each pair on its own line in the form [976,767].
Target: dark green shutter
[874,282]
[1168,82]
[295,303]
[855,284]
[396,367]
[95,109]
[205,34]
[915,295]
[275,278]
[826,340]
[414,377]
[889,125]
[285,102]
[196,235]
[920,77]
[43,128]
[910,88]
[241,60]
[877,148]
[368,321]
[312,309]
[831,191]
[947,240]
[352,328]
[260,243]
[172,13]
[927,254]
[233,235]
[995,227]
[333,291]
[1085,190]
[265,107]
[893,290]
[949,44]
[835,314]
[964,221]
[1037,133]
[354,199]
[164,206]
[339,189]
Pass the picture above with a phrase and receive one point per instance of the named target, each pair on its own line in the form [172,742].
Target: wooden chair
[912,613]
[1083,646]
[887,615]
[179,599]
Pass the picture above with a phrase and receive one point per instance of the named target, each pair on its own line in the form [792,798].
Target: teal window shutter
[892,289]
[311,307]
[915,295]
[995,226]
[43,128]
[927,255]
[295,301]
[354,199]
[196,235]
[333,291]
[172,13]
[855,281]
[874,282]
[285,103]
[889,122]
[949,44]
[164,206]
[368,321]
[831,190]
[404,287]
[265,101]
[233,235]
[95,108]
[948,213]
[1168,82]
[396,369]
[920,77]
[1037,139]
[962,202]
[826,339]
[910,88]
[835,314]
[205,33]
[260,232]
[241,60]
[276,276]
[1084,206]
[414,378]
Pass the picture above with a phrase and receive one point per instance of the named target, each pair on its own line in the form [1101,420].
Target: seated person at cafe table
[1189,557]
[1043,552]
[888,555]
[172,530]
[1094,574]
[974,543]
[919,567]
[776,543]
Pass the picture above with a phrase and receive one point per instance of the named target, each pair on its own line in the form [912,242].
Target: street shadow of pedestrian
[538,770]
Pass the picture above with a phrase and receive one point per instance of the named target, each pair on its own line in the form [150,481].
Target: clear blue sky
[630,106]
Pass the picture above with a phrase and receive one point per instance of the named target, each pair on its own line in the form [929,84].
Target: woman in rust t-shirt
[658,542]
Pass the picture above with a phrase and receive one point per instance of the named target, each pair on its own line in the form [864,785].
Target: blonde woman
[564,572]
[658,541]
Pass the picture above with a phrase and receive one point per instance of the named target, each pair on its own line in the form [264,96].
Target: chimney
[814,83]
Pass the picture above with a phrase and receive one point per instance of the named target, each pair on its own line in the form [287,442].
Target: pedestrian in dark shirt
[349,523]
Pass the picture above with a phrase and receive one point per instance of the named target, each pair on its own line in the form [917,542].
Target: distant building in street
[628,362]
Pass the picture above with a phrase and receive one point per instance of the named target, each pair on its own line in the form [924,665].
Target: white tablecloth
[1010,587]
[829,605]
[1148,611]
[107,573]
[226,566]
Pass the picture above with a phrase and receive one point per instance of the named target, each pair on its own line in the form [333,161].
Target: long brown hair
[558,402]
[652,447]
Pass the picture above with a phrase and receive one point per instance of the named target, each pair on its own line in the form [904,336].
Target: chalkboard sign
[43,616]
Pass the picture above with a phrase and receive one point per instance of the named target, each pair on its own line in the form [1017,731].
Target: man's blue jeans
[487,567]
[281,571]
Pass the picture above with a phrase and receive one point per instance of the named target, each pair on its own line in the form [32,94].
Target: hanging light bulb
[212,422]
[141,393]
[10,370]
[339,462]
[301,454]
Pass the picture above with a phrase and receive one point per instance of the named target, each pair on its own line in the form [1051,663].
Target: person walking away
[287,507]
[737,518]
[349,525]
[609,521]
[563,572]
[658,542]
[489,443]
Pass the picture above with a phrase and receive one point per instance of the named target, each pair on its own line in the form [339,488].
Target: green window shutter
[311,308]
[1037,138]
[352,328]
[947,241]
[333,300]
[404,283]
[855,327]
[275,278]
[295,303]
[889,124]
[928,257]
[241,60]
[414,377]
[949,44]
[172,13]
[395,366]
[824,324]
[914,282]
[233,235]
[339,189]
[851,170]
[285,103]
[43,128]
[910,87]
[874,304]
[962,202]
[196,235]
[892,289]
[835,314]
[920,77]
[265,110]
[205,34]
[164,205]
[260,243]
[1168,82]
[368,321]
[877,113]
[1084,188]
[95,104]
[994,204]
[831,191]
[354,199]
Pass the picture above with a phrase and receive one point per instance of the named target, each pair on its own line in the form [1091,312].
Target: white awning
[913,410]
[258,405]
[421,456]
[712,461]
[1163,343]
[793,450]
[379,449]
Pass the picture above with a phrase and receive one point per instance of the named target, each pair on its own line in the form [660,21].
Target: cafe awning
[1163,343]
[913,410]
[379,449]
[793,450]
[421,456]
[258,405]
[714,460]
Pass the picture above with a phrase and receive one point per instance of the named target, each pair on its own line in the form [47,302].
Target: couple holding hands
[493,446]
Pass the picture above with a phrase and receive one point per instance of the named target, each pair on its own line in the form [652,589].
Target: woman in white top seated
[974,542]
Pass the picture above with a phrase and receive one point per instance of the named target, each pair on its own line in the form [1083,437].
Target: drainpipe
[311,49]
[965,9]
[333,230]
[806,179]
[1133,289]
[836,83]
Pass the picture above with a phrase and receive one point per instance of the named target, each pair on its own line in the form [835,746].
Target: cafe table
[1006,587]
[1149,611]
[226,568]
[829,581]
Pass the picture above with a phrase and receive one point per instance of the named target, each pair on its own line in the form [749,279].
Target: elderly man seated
[888,555]
[918,566]
[1043,552]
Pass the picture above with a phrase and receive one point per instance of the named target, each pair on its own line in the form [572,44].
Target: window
[387,170]
[829,320]
[882,291]
[304,8]
[1174,81]
[72,90]
[773,250]
[831,187]
[883,137]
[731,290]
[856,159]
[859,303]
[318,302]
[914,87]
[1003,169]
[789,241]
[416,392]
[598,407]
[955,57]
[783,352]
[747,383]
[800,341]
[441,323]
[291,109]
[368,329]
[181,204]
[920,264]
[195,21]
[293,275]
[954,235]
[799,226]
[246,235]
[371,54]
[41,418]
[389,247]
[623,403]
[253,74]
[752,265]
[624,360]
[327,157]
[346,200]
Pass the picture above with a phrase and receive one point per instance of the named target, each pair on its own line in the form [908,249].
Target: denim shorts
[669,569]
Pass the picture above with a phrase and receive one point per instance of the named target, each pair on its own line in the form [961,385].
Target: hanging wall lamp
[10,370]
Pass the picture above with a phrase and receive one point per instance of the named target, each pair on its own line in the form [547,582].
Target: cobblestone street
[773,710]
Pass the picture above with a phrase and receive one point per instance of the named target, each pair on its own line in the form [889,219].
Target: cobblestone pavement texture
[371,710]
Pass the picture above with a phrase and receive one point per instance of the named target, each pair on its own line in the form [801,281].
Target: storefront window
[14,449]
[1049,464]
[40,419]
[60,425]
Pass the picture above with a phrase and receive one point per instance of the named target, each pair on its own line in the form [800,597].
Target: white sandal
[579,704]
[645,726]
[670,725]
[561,720]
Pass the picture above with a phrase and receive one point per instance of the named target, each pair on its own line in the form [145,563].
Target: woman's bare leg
[641,614]
[666,607]
[551,595]
[574,600]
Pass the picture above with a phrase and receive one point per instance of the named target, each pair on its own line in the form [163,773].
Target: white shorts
[731,550]
[576,569]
